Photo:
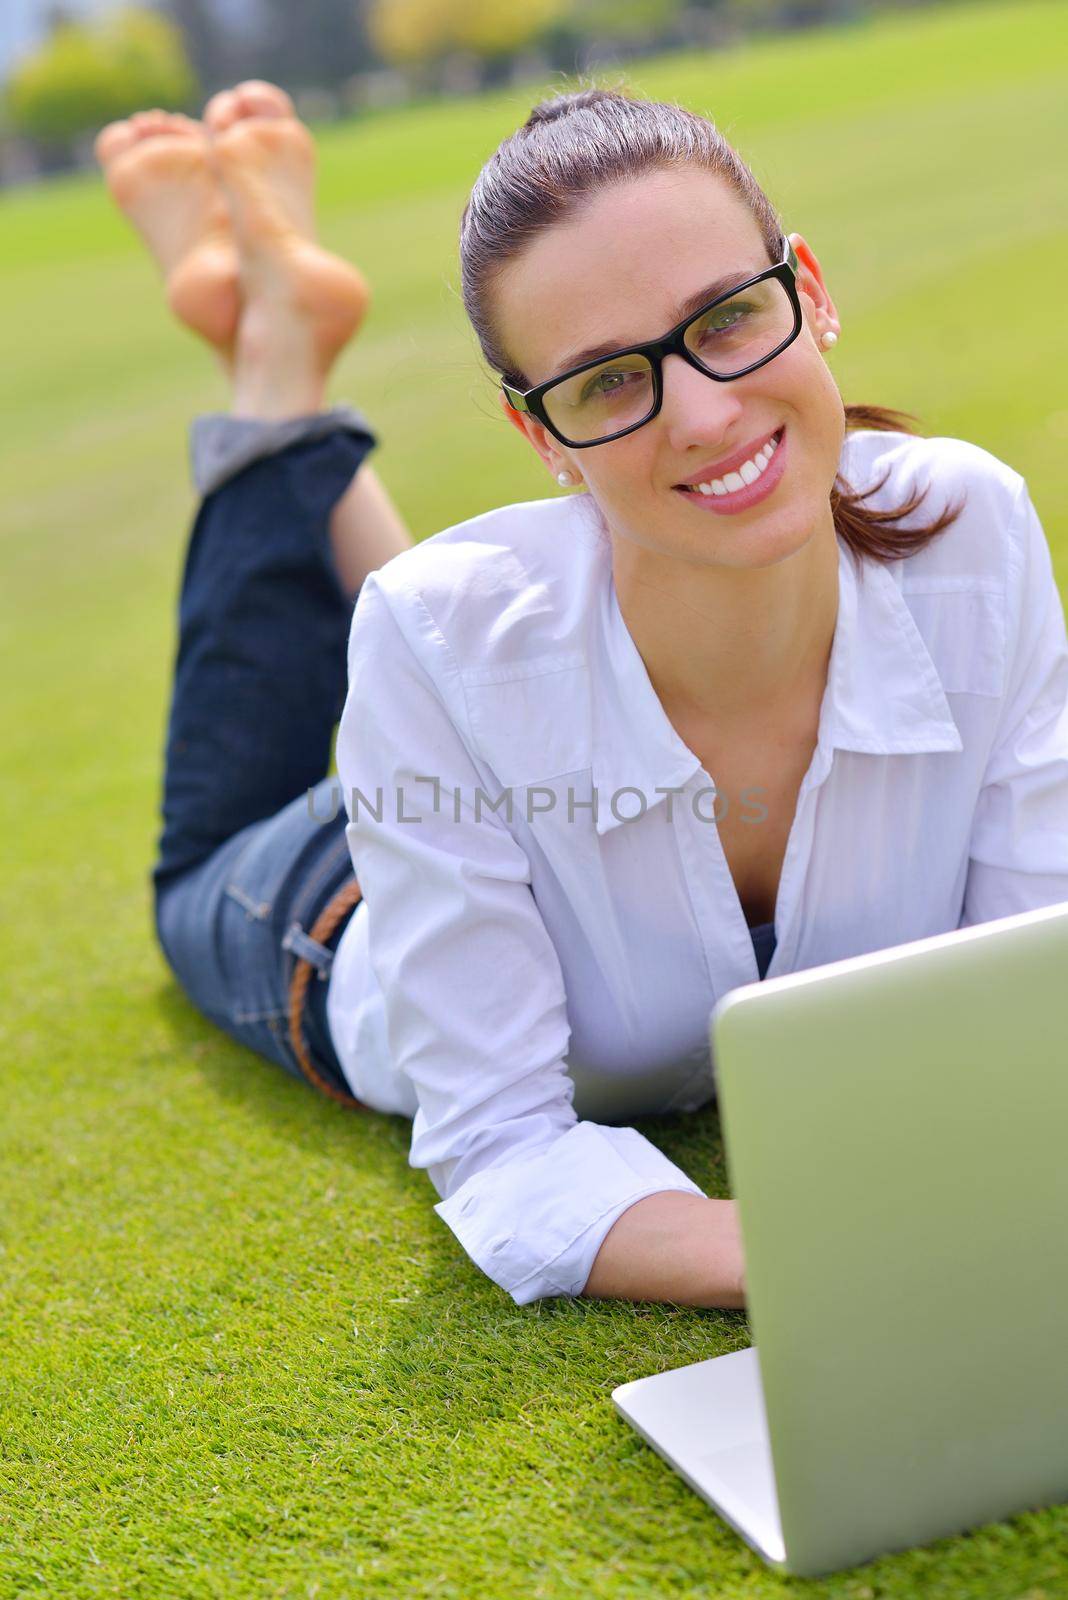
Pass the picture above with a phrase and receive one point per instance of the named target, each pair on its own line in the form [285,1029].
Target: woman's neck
[732,647]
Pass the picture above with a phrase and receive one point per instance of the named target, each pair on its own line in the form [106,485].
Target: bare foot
[158,171]
[226,209]
[300,303]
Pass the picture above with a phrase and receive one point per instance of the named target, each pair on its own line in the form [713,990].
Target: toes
[113,140]
[118,138]
[221,111]
[258,99]
[149,122]
[179,123]
[253,98]
[155,123]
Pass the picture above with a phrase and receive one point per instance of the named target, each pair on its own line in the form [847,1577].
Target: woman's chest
[643,919]
[757,790]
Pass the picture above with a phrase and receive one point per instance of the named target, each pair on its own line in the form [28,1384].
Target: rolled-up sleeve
[476,1012]
[1019,842]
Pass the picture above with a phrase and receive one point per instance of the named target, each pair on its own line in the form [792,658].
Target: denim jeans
[245,861]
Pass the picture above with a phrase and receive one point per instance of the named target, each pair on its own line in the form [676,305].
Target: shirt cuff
[535,1225]
[221,446]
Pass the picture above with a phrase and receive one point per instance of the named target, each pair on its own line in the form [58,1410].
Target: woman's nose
[696,409]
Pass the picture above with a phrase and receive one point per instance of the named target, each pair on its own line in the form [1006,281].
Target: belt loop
[308,948]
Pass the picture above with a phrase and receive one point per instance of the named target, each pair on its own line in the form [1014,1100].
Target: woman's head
[569,149]
[599,225]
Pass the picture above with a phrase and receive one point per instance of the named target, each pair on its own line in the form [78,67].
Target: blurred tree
[590,28]
[410,32]
[406,32]
[490,29]
[622,17]
[84,76]
[150,55]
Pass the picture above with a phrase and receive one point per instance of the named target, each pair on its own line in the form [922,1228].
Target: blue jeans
[245,861]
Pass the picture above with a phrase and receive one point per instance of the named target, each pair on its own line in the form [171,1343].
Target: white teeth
[748,472]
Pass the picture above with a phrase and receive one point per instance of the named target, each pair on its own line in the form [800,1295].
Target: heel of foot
[331,296]
[204,292]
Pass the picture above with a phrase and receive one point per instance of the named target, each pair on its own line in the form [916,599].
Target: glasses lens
[602,400]
[747,328]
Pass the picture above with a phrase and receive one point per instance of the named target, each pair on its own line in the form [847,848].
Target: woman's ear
[810,283]
[532,430]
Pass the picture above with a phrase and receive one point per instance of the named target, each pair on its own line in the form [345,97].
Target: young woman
[736,708]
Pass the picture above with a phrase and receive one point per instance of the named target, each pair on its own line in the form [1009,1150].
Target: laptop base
[707,1421]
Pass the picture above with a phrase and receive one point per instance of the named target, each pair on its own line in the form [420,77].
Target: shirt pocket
[965,630]
[531,722]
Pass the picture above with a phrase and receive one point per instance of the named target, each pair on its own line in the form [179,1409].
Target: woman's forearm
[674,1247]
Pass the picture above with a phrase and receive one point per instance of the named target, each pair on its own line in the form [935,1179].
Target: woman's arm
[679,1247]
[475,1006]
[1018,854]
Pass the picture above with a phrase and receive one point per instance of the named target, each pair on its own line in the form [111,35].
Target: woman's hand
[673,1247]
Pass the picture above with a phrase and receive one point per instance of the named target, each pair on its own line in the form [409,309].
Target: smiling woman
[551,708]
[729,606]
[574,167]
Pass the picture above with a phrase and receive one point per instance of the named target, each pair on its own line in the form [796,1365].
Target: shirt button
[499,1245]
[468,1205]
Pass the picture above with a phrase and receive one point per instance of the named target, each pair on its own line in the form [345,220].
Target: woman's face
[616,274]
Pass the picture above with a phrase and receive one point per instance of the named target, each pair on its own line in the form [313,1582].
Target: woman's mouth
[746,484]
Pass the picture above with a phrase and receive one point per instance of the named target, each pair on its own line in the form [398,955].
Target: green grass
[240,1355]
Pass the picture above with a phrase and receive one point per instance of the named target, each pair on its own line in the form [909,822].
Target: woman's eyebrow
[692,303]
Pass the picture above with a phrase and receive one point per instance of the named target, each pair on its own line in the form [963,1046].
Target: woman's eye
[606,383]
[726,318]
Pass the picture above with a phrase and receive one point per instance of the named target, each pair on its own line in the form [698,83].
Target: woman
[733,710]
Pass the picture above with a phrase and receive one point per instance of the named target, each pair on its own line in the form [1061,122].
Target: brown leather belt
[348,896]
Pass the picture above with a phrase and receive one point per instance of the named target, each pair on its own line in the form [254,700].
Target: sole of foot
[158,169]
[264,159]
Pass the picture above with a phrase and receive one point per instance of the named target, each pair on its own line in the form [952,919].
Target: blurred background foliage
[85,76]
[411,32]
[66,68]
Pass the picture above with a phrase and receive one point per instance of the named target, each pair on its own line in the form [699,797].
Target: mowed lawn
[239,1355]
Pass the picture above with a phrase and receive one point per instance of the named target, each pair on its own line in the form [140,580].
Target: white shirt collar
[883,694]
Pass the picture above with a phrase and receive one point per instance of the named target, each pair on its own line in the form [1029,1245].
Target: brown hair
[574,145]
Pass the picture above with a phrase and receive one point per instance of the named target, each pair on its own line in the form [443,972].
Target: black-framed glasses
[735,333]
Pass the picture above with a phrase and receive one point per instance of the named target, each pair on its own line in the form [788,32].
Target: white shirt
[523,988]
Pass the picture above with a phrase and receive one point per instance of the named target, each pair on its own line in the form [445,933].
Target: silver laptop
[897,1135]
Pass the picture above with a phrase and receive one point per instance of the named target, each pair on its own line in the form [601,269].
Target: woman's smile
[748,481]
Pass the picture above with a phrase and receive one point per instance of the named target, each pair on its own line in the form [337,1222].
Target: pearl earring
[565,479]
[828,338]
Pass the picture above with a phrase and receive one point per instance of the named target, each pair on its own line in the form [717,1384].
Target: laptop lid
[896,1128]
